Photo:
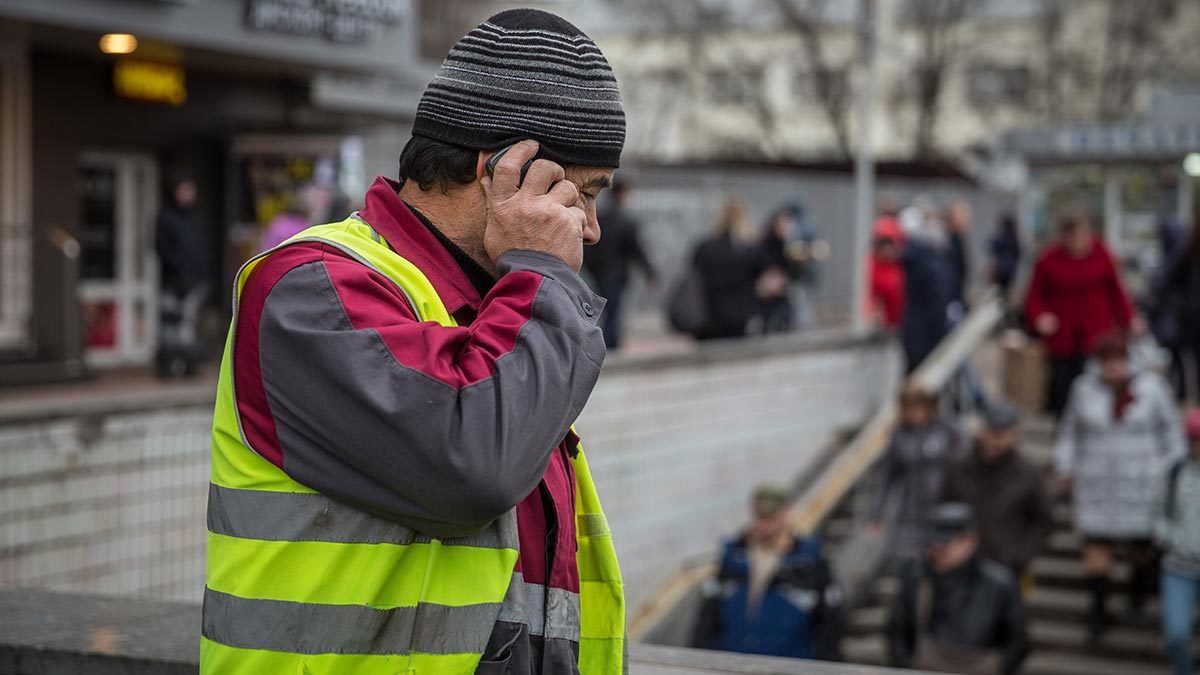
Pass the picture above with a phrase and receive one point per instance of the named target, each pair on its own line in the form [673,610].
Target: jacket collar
[408,237]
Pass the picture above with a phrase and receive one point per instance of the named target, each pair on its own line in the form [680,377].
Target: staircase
[1057,607]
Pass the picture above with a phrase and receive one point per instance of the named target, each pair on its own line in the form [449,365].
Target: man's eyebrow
[600,182]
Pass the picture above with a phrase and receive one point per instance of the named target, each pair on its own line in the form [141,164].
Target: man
[1005,492]
[774,593]
[969,618]
[609,260]
[183,274]
[396,484]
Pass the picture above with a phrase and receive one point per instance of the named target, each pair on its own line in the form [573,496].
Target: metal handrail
[853,463]
[848,467]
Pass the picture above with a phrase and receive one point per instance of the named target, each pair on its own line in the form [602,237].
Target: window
[736,86]
[989,85]
[806,85]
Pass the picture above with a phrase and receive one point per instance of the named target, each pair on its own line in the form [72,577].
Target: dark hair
[430,162]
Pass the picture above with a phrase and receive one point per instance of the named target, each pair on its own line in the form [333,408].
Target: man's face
[949,555]
[994,444]
[959,218]
[915,414]
[769,525]
[1114,369]
[591,181]
[185,193]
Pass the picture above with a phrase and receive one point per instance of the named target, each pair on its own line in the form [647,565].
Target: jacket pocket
[499,667]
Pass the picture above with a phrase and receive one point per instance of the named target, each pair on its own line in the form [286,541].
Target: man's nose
[591,231]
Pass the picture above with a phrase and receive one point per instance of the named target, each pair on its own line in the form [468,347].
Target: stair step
[871,651]
[1135,643]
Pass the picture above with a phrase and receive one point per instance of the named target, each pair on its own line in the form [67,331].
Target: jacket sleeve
[1039,513]
[1172,441]
[888,473]
[1066,448]
[637,252]
[1035,298]
[830,617]
[1117,297]
[442,429]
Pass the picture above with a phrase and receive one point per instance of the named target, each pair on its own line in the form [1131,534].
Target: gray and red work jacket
[329,358]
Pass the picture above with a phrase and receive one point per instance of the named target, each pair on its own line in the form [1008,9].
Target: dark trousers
[610,322]
[908,573]
[1063,371]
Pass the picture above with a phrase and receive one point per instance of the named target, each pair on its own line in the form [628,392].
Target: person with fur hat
[1119,433]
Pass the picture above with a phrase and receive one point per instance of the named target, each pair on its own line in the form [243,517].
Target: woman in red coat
[1075,296]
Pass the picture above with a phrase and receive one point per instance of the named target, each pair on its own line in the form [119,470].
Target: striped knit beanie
[525,73]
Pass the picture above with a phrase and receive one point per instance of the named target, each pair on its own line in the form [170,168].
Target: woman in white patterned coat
[1120,431]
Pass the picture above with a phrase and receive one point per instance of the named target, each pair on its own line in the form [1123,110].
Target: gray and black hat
[525,73]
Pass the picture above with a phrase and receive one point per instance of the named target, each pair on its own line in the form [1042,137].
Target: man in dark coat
[1005,492]
[928,286]
[775,593]
[969,618]
[609,259]
[183,271]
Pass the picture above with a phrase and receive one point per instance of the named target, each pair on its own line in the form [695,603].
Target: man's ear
[481,164]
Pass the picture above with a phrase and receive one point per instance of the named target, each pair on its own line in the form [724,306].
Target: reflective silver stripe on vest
[592,524]
[548,612]
[305,516]
[304,628]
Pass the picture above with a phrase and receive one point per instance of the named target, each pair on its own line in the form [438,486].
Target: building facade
[256,100]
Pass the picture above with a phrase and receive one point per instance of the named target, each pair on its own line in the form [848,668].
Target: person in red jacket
[1075,296]
[886,301]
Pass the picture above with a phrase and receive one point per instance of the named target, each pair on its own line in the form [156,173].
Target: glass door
[118,288]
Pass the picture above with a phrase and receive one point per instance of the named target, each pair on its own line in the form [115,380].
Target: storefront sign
[150,81]
[335,20]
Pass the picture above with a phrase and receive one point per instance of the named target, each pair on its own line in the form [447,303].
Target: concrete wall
[114,501]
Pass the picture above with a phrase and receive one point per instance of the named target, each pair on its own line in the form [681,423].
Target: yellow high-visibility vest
[298,583]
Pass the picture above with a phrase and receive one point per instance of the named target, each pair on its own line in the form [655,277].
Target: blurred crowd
[963,515]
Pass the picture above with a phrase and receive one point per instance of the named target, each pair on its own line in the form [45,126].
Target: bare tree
[937,23]
[804,17]
[1133,52]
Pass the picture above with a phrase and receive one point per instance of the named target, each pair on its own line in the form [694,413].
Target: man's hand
[542,214]
[1046,324]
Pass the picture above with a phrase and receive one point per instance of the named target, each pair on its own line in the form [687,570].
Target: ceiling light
[118,43]
[1191,164]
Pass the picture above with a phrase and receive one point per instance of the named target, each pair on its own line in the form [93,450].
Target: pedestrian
[1177,531]
[778,236]
[928,283]
[774,593]
[912,471]
[292,220]
[1005,249]
[886,281]
[396,483]
[1004,491]
[1183,283]
[609,260]
[730,269]
[183,274]
[1075,296]
[1119,431]
[958,226]
[967,615]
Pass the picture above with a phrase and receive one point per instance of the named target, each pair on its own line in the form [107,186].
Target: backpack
[1172,489]
[687,303]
